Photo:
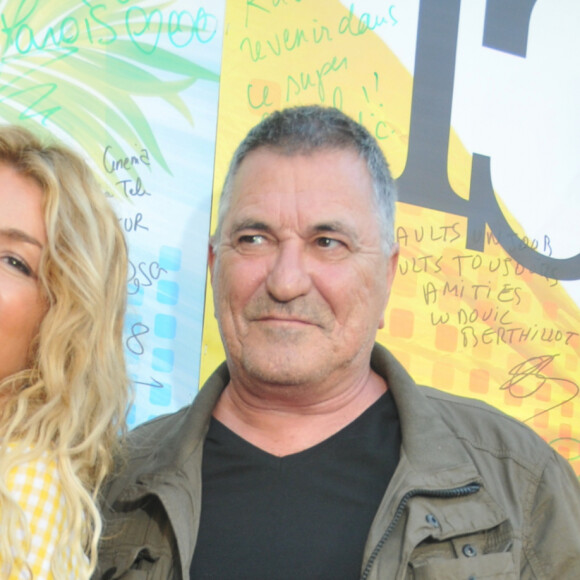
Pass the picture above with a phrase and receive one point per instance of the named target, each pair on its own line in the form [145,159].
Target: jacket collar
[429,447]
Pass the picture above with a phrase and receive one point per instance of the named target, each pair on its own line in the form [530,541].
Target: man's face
[300,282]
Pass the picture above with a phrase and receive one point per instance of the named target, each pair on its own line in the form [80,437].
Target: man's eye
[328,243]
[251,239]
[18,265]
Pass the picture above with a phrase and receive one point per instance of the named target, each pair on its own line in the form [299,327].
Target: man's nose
[289,277]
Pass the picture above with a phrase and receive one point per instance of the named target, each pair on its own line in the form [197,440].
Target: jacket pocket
[487,566]
[486,554]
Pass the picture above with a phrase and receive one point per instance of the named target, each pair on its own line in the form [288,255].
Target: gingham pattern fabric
[36,487]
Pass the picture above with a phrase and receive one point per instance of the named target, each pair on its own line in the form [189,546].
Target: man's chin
[281,366]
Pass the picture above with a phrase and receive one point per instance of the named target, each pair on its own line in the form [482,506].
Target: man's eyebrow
[249,224]
[19,236]
[336,227]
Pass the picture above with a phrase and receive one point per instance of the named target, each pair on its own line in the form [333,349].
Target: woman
[63,383]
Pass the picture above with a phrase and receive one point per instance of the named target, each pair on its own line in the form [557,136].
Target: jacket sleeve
[138,544]
[551,539]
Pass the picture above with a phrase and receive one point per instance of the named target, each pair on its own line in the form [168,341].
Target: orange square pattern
[443,376]
[401,323]
[446,338]
[479,381]
[510,400]
[565,430]
[541,421]
[567,410]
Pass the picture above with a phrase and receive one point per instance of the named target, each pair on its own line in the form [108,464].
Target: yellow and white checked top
[36,487]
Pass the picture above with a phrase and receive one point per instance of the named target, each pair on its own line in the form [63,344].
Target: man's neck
[282,423]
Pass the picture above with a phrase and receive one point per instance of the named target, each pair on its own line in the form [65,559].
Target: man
[310,453]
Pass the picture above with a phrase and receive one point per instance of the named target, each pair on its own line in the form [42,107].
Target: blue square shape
[170,258]
[137,298]
[165,326]
[167,292]
[162,360]
[160,397]
[130,319]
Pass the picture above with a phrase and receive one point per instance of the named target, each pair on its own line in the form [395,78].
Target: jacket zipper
[462,491]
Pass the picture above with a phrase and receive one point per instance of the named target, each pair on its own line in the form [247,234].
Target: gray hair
[306,129]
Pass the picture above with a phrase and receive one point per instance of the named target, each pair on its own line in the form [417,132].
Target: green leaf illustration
[79,68]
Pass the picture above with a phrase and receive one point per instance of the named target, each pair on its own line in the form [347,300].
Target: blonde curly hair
[70,404]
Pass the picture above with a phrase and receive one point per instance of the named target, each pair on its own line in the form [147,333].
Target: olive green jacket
[476,494]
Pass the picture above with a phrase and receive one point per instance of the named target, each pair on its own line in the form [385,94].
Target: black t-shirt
[299,517]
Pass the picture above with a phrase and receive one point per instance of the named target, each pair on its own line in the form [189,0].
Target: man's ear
[211,258]
[391,271]
[393,263]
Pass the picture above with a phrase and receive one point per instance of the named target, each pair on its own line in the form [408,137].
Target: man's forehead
[323,191]
[314,174]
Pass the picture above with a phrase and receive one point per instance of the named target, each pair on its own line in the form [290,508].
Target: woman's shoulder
[35,484]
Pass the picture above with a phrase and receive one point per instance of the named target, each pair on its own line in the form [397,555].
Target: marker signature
[527,379]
